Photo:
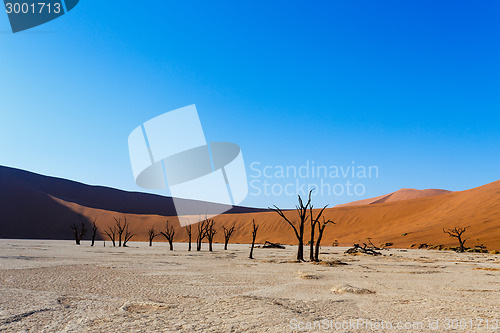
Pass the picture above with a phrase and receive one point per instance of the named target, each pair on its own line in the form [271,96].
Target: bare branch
[169,234]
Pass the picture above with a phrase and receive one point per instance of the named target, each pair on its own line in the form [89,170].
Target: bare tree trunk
[210,232]
[188,229]
[169,235]
[457,233]
[318,244]
[75,233]
[94,232]
[120,229]
[111,233]
[78,233]
[227,234]
[201,234]
[314,222]
[128,235]
[300,250]
[311,243]
[254,235]
[321,229]
[152,235]
[302,210]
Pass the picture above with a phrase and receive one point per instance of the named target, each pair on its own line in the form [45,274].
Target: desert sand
[56,286]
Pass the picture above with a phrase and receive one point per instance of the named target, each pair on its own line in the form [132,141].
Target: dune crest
[402,194]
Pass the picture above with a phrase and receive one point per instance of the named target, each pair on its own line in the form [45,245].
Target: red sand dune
[403,223]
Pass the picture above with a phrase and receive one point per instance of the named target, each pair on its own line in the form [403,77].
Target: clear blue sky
[411,87]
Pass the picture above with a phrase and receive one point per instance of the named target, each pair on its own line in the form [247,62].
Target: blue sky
[411,87]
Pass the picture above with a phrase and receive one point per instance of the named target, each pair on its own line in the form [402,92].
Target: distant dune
[31,205]
[403,222]
[402,194]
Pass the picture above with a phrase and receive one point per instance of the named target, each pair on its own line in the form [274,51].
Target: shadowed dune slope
[100,197]
[31,204]
[28,213]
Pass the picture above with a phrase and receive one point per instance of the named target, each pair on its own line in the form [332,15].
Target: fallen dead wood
[269,245]
[364,250]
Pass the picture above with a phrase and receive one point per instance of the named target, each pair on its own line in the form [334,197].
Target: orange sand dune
[402,194]
[403,223]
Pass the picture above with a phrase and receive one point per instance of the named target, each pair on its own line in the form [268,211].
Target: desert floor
[56,286]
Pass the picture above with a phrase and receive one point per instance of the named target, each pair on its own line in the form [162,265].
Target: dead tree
[314,221]
[169,235]
[128,235]
[321,229]
[79,233]
[299,229]
[189,232]
[210,232]
[227,234]
[120,229]
[202,233]
[94,232]
[111,233]
[152,235]
[457,233]
[254,235]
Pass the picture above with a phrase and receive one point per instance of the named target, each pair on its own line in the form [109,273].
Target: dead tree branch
[169,235]
[321,229]
[189,232]
[365,250]
[128,236]
[94,232]
[254,235]
[210,232]
[119,230]
[227,234]
[78,233]
[302,210]
[201,234]
[313,221]
[269,245]
[111,233]
[152,234]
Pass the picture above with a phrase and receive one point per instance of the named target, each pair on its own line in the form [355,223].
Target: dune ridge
[402,194]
